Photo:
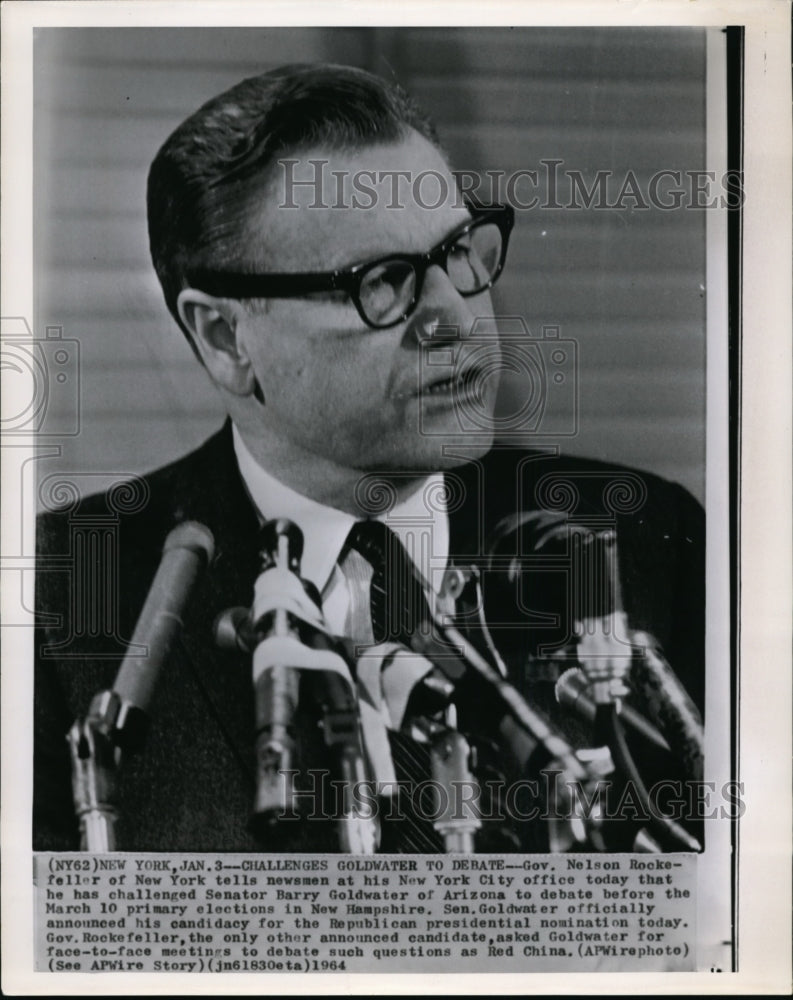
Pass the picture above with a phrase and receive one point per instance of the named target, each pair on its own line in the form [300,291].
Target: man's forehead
[325,208]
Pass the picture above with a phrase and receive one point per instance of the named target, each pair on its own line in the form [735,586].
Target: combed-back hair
[203,179]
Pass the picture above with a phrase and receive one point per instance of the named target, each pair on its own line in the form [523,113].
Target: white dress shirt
[420,521]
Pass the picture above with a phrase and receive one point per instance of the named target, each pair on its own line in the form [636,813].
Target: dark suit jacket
[191,788]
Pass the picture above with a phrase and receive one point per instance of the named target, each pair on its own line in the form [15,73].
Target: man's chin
[438,452]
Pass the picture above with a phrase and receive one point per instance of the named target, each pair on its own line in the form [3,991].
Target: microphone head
[544,572]
[193,536]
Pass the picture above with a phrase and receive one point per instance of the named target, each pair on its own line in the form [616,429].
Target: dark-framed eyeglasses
[385,291]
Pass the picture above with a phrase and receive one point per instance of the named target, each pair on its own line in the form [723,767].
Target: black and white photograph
[375,434]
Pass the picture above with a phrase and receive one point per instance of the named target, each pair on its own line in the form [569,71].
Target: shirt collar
[325,529]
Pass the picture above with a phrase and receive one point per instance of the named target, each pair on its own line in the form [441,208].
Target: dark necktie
[398,608]
[398,605]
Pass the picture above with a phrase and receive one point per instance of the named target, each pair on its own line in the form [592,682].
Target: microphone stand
[95,756]
[458,819]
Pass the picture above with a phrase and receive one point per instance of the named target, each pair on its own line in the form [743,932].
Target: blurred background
[624,288]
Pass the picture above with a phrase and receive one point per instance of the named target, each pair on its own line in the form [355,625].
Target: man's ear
[213,326]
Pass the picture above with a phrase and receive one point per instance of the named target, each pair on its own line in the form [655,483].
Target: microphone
[557,594]
[532,740]
[187,550]
[544,573]
[572,691]
[116,718]
[276,681]
[294,655]
[530,737]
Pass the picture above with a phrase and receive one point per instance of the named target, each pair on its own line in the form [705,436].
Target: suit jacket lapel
[466,520]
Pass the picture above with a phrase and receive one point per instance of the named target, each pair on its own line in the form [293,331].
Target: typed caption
[268,913]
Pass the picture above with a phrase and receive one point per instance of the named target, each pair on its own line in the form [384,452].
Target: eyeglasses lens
[388,291]
[474,258]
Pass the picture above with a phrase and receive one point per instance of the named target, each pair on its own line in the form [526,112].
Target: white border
[713,899]
[766,483]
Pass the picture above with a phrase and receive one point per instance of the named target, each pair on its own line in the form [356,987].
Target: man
[337,319]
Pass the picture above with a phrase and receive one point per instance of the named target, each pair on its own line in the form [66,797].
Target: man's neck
[326,482]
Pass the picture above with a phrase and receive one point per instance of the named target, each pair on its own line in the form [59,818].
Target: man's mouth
[458,383]
[444,387]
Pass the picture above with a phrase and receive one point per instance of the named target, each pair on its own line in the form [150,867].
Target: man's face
[334,387]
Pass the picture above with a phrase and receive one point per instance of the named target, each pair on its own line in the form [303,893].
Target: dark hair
[203,177]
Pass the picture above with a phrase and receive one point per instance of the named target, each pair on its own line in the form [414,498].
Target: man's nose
[442,313]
